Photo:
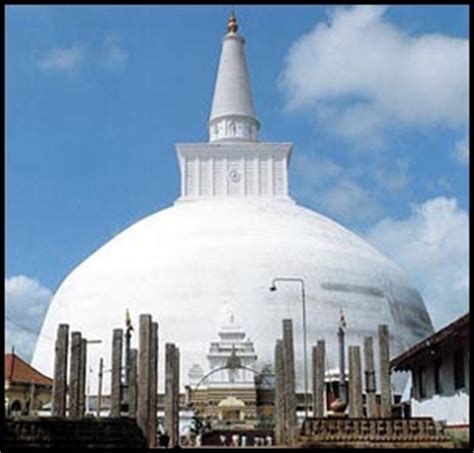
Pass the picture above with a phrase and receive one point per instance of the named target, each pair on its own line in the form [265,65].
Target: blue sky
[374,100]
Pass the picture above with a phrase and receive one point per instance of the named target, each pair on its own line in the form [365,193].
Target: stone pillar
[99,390]
[385,389]
[32,400]
[144,357]
[75,375]
[132,389]
[355,383]
[314,354]
[290,391]
[60,371]
[319,353]
[168,400]
[116,387]
[152,420]
[279,412]
[176,397]
[370,387]
[83,378]
[171,393]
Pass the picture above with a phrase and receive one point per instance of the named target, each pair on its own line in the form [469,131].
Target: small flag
[342,320]
[128,321]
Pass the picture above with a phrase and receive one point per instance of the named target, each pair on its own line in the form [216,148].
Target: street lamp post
[303,300]
[128,337]
[99,392]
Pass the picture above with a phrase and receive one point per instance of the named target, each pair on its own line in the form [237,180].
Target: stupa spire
[233,116]
[232,25]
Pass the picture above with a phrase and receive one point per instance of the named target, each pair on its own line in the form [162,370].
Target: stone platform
[373,433]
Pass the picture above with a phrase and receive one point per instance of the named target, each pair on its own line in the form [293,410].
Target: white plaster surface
[453,409]
[232,94]
[233,113]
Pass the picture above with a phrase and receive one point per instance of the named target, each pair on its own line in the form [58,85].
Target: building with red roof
[26,389]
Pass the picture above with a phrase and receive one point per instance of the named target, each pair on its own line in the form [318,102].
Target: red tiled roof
[455,329]
[17,370]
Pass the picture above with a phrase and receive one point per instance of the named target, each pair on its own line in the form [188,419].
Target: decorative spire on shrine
[232,25]
[233,116]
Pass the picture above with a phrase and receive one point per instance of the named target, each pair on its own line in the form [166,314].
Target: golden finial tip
[232,26]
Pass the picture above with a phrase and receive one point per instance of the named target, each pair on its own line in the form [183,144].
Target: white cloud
[110,55]
[26,301]
[462,150]
[432,246]
[362,76]
[114,56]
[62,59]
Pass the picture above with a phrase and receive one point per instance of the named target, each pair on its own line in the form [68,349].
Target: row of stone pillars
[286,424]
[141,376]
[77,374]
[355,378]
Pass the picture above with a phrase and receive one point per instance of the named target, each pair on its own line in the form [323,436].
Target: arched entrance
[233,364]
[227,405]
[15,408]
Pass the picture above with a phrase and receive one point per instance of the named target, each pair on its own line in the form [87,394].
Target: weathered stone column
[319,353]
[144,379]
[176,397]
[32,400]
[60,371]
[116,387]
[75,375]
[83,378]
[279,412]
[152,420]
[99,390]
[171,393]
[385,388]
[168,401]
[355,383]
[132,389]
[370,387]
[290,391]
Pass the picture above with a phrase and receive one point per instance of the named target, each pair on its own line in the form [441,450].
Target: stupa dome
[182,263]
[231,232]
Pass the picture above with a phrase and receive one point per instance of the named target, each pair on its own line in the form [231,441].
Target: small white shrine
[233,355]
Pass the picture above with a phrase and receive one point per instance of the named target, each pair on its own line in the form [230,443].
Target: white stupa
[233,229]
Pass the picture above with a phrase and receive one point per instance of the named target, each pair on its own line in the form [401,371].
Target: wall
[451,405]
[23,393]
[256,169]
[65,433]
